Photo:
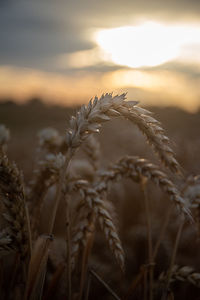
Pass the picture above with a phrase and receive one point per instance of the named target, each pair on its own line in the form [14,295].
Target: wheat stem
[68,241]
[86,253]
[149,236]
[162,231]
[112,293]
[173,258]
[88,286]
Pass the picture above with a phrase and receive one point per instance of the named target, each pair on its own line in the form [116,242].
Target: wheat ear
[191,191]
[92,149]
[185,273]
[16,213]
[49,140]
[135,168]
[45,176]
[81,232]
[36,194]
[154,133]
[89,118]
[6,244]
[98,211]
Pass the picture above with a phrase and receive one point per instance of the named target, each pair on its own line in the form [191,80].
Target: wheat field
[79,222]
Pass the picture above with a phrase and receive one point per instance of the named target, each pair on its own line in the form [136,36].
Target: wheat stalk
[89,119]
[37,268]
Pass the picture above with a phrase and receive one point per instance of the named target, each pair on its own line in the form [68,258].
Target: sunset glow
[171,88]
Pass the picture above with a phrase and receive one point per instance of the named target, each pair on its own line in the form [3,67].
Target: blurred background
[66,52]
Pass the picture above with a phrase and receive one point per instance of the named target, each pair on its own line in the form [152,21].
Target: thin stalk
[29,237]
[112,293]
[136,281]
[13,278]
[88,287]
[68,242]
[163,229]
[1,277]
[149,236]
[54,282]
[171,295]
[145,284]
[161,235]
[173,258]
[85,257]
[35,215]
[59,190]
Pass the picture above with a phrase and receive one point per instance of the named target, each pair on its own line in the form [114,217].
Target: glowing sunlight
[149,44]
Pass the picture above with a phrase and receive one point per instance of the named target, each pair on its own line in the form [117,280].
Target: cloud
[33,32]
[83,59]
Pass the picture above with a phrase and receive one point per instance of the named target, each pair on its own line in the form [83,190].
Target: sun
[146,45]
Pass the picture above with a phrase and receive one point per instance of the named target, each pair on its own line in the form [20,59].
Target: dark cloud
[30,35]
[33,32]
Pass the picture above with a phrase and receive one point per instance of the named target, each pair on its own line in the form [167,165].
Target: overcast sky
[35,34]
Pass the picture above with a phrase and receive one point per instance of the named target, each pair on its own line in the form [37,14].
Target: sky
[66,52]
